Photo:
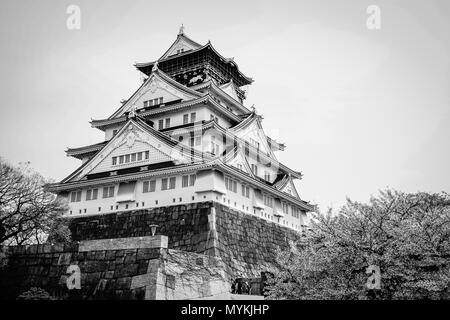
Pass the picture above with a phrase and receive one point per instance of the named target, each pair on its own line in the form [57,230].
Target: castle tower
[183,137]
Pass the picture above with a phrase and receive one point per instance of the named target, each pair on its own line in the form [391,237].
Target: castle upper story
[185,136]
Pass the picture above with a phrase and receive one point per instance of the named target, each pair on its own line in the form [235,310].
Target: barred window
[172,183]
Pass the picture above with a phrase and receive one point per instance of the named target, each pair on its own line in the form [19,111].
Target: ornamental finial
[155,66]
[181,29]
[132,113]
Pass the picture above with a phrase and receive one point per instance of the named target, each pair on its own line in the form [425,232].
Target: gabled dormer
[135,145]
[157,91]
[251,131]
[182,44]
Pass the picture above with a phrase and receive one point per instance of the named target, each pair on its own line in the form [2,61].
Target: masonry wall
[105,274]
[125,268]
[246,243]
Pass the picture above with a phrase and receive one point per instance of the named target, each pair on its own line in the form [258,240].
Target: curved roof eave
[227,60]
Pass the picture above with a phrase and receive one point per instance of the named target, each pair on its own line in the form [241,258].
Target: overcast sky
[358,109]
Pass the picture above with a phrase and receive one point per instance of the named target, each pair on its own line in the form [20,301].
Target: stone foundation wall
[246,243]
[127,268]
[185,225]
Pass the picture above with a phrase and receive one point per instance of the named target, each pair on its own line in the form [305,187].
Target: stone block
[124,243]
[110,255]
[126,270]
[130,258]
[64,258]
[123,283]
[147,253]
[100,255]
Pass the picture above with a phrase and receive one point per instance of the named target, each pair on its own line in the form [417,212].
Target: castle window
[132,157]
[254,143]
[75,196]
[230,184]
[164,184]
[268,201]
[184,181]
[266,176]
[172,182]
[161,124]
[193,116]
[149,186]
[91,194]
[214,146]
[192,179]
[185,119]
[245,191]
[255,169]
[108,192]
[171,185]
[167,122]
[153,102]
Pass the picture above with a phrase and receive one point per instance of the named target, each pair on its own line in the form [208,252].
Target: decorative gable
[237,160]
[157,89]
[254,134]
[181,44]
[230,90]
[132,146]
[290,189]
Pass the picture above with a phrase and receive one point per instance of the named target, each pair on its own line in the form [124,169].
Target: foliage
[406,235]
[3,258]
[36,294]
[28,212]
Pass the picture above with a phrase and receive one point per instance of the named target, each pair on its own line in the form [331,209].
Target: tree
[28,213]
[406,235]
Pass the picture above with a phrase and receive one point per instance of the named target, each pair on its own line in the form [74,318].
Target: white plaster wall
[179,195]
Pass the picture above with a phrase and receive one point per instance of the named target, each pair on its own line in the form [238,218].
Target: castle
[184,196]
[184,136]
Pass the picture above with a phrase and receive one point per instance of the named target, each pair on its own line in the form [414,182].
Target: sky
[359,109]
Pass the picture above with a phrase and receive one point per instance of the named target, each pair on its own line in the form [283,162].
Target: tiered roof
[184,157]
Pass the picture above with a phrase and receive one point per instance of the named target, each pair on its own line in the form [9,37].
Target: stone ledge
[123,243]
